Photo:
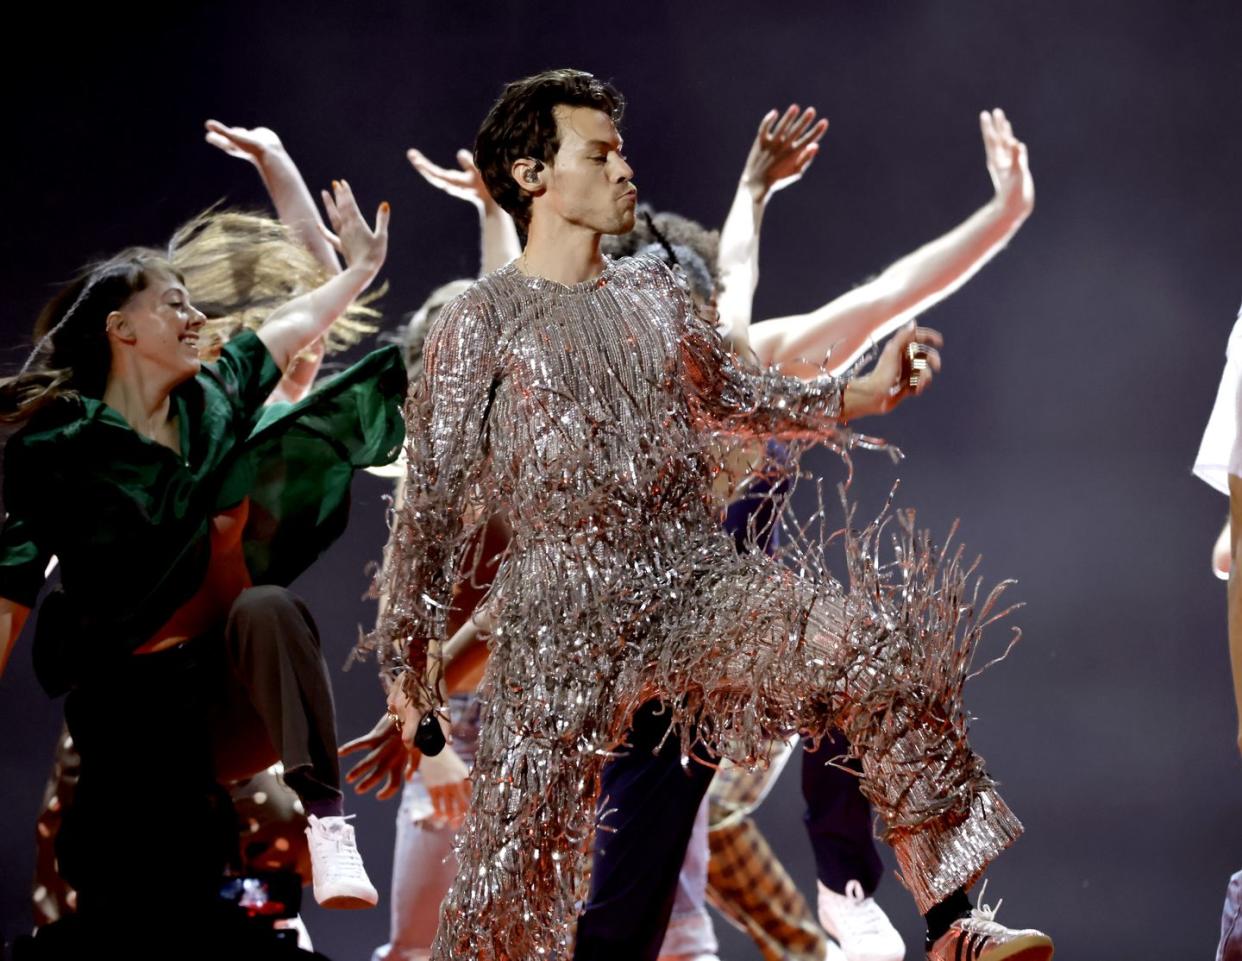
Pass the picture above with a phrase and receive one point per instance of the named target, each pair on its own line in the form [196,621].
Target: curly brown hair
[677,230]
[522,123]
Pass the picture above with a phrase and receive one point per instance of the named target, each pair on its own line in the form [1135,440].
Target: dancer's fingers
[767,124]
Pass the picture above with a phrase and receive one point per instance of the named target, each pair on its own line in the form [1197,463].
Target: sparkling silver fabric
[593,416]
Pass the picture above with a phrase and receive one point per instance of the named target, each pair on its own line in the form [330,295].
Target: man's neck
[561,252]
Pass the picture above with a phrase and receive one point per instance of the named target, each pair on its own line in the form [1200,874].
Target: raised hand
[1007,161]
[783,149]
[465,184]
[350,236]
[387,762]
[257,145]
[907,365]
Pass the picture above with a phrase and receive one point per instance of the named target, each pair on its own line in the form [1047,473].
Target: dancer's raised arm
[732,395]
[496,229]
[783,149]
[301,321]
[848,325]
[290,196]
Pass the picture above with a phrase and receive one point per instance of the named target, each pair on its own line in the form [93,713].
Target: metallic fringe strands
[594,417]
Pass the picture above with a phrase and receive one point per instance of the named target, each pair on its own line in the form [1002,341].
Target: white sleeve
[1220,452]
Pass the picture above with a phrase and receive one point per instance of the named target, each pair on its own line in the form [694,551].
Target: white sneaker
[340,880]
[859,925]
[833,952]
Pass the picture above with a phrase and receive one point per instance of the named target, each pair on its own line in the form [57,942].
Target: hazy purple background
[1080,366]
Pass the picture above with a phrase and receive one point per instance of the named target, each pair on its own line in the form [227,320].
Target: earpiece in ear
[531,176]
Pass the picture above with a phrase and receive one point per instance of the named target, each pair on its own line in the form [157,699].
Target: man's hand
[448,783]
[410,712]
[783,149]
[907,365]
[465,184]
[350,236]
[258,145]
[1007,163]
[387,762]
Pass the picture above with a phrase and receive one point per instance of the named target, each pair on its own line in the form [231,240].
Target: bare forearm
[303,320]
[296,207]
[500,242]
[739,262]
[847,326]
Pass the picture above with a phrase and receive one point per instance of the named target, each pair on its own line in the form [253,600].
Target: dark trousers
[215,708]
[838,819]
[648,802]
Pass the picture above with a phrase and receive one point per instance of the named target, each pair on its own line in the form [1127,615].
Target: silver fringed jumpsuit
[587,414]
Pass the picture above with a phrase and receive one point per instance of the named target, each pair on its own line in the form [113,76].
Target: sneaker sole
[1031,947]
[346,902]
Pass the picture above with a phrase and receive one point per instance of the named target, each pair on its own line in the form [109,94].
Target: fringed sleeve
[446,449]
[732,396]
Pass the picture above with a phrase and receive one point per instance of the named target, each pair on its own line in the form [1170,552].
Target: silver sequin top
[591,415]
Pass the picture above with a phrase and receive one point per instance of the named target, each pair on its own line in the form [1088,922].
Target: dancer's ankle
[941,915]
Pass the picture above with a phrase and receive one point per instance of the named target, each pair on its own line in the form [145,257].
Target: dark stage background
[1080,365]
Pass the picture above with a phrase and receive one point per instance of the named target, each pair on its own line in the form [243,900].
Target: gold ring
[916,363]
[395,718]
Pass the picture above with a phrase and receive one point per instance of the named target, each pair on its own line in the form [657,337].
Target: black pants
[838,819]
[180,721]
[648,802]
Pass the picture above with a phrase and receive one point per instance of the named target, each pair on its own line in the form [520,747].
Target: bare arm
[1222,552]
[850,324]
[1235,599]
[301,321]
[290,196]
[12,618]
[499,236]
[782,151]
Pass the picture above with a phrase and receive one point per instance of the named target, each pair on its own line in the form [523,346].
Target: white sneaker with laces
[859,925]
[340,880]
[979,937]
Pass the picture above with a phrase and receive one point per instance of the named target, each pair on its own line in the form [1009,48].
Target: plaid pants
[746,882]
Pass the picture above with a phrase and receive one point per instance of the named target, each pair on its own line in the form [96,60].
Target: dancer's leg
[690,932]
[748,884]
[838,818]
[423,869]
[424,863]
[648,804]
[277,685]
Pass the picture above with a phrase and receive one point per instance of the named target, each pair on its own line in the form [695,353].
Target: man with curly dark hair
[587,400]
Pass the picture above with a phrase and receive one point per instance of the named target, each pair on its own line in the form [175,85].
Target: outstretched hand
[1008,165]
[783,149]
[448,785]
[387,762]
[256,145]
[350,235]
[906,366]
[465,184]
